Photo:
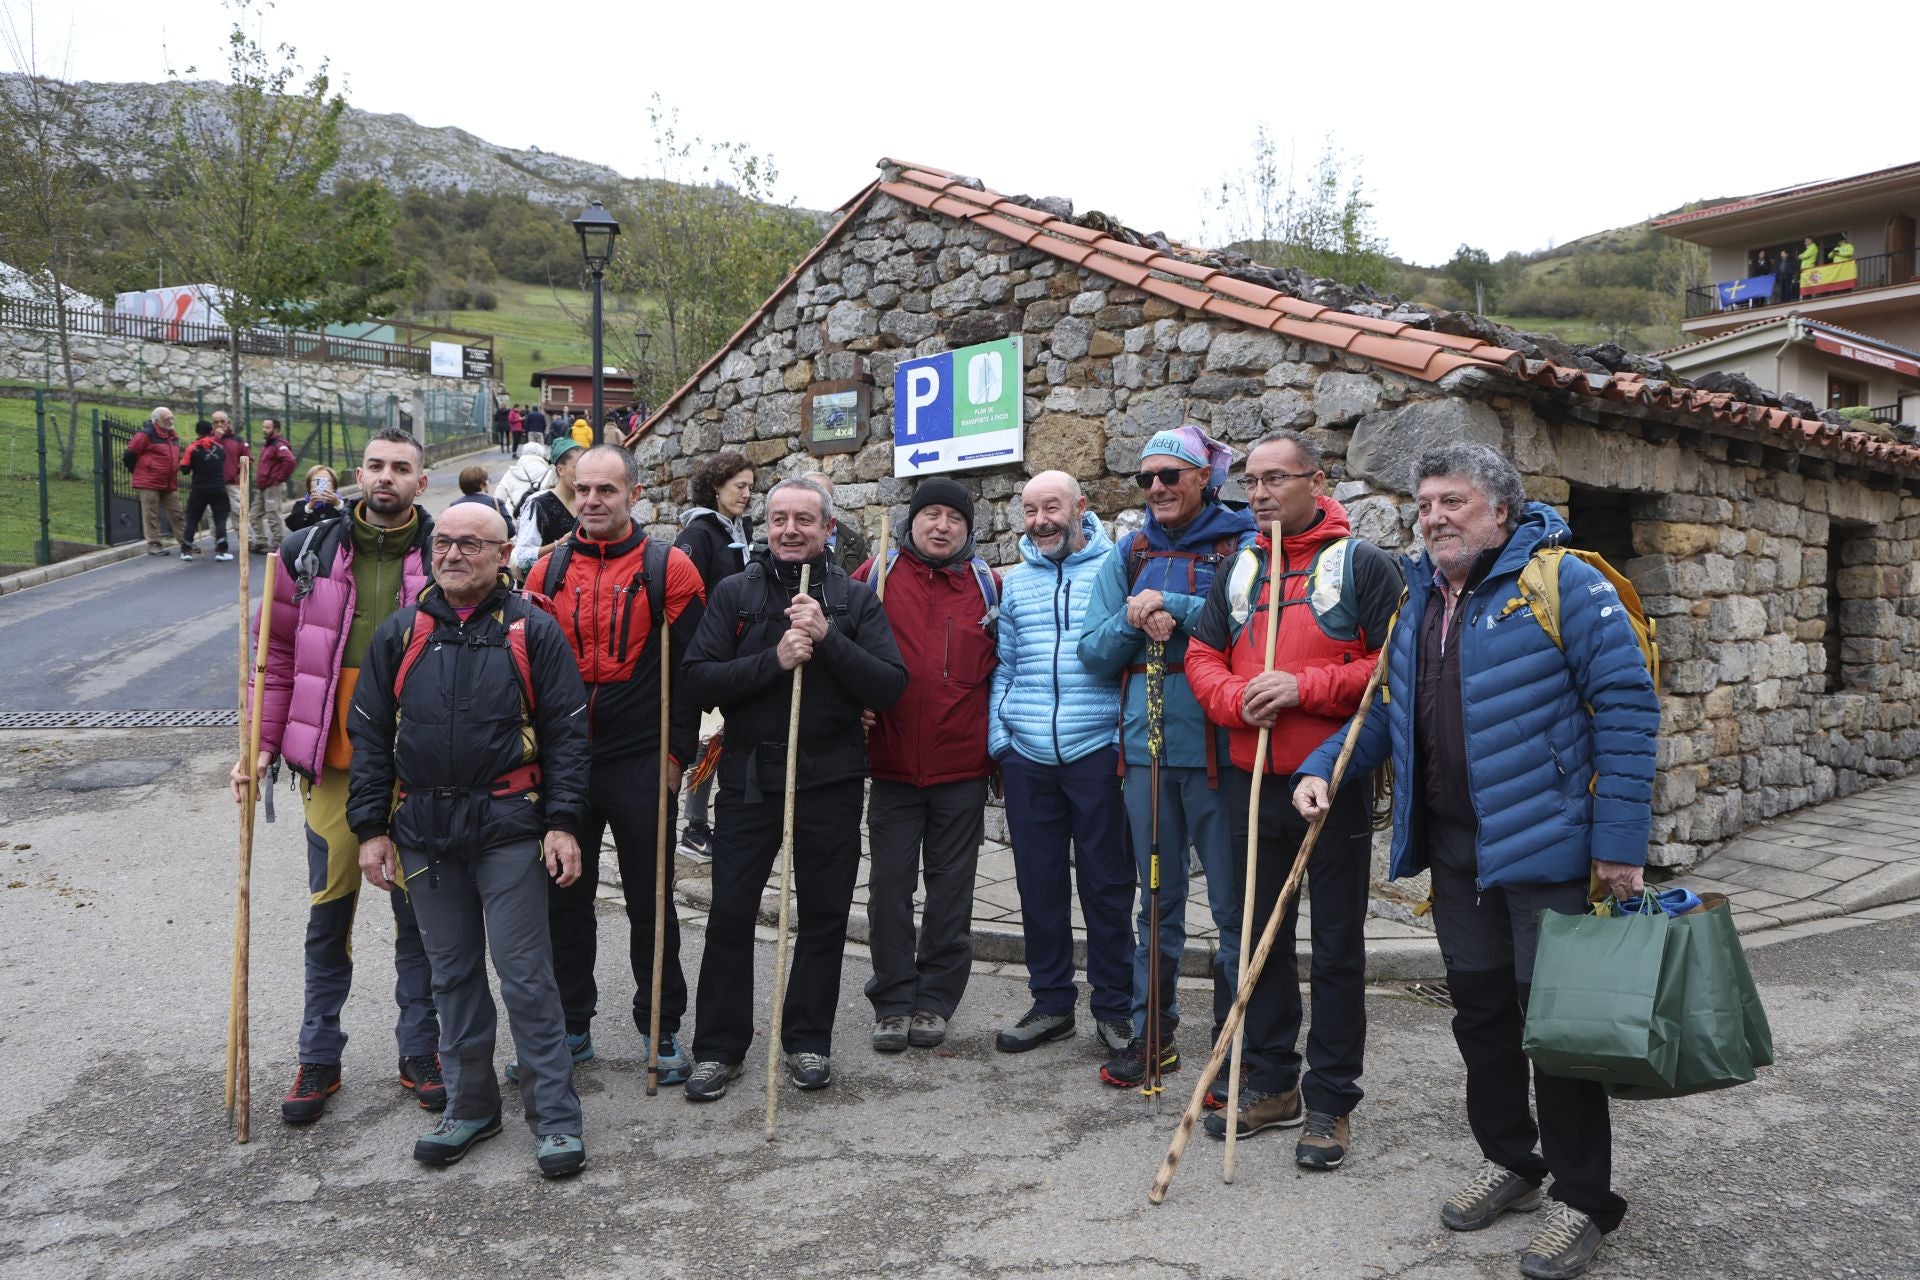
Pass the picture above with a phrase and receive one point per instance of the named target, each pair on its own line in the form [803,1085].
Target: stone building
[1777,553]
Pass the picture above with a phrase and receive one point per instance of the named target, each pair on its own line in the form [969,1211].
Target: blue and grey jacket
[1046,704]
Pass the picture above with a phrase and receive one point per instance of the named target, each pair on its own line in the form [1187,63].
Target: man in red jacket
[929,764]
[265,525]
[234,448]
[1338,594]
[153,455]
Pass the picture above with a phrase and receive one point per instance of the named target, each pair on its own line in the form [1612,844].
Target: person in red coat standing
[930,767]
[265,525]
[153,455]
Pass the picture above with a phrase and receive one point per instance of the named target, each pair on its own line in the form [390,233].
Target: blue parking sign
[957,410]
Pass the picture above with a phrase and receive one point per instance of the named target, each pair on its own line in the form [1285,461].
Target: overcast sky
[1507,126]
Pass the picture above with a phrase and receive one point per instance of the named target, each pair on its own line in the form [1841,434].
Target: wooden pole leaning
[662,853]
[1182,1135]
[243,924]
[240,701]
[1276,587]
[879,574]
[786,893]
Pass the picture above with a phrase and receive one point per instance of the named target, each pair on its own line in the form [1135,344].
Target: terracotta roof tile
[1241,291]
[1017,231]
[1175,293]
[1178,267]
[1125,272]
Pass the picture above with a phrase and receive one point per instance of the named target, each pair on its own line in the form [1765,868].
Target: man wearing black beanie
[930,766]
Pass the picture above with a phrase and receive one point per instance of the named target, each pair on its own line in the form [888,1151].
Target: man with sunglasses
[1153,587]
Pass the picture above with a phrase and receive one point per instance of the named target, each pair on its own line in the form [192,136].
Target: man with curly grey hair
[1524,768]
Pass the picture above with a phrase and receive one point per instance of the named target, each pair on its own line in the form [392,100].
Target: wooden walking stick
[1164,1178]
[880,561]
[786,892]
[243,919]
[1276,587]
[240,701]
[661,854]
[1151,1084]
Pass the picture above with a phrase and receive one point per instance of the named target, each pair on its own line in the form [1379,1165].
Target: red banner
[1867,355]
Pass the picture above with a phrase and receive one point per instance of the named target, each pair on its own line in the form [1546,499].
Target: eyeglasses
[465,546]
[1168,476]
[1273,479]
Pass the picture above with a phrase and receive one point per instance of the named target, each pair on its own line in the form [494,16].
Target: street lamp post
[597,229]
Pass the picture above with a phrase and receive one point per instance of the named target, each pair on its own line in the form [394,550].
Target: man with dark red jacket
[606,580]
[265,524]
[1338,595]
[930,766]
[153,455]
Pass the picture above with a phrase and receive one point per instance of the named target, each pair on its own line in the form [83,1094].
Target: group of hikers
[466,746]
[517,426]
[158,458]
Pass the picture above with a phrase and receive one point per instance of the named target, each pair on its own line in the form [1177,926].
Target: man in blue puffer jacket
[1522,769]
[1154,586]
[1052,727]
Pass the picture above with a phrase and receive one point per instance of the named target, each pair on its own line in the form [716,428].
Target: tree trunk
[233,370]
[71,440]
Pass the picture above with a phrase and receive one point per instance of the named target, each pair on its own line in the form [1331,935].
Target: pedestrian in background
[322,500]
[153,456]
[232,448]
[265,524]
[205,465]
[547,516]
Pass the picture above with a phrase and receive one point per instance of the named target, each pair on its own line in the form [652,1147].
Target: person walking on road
[472,715]
[1337,594]
[1524,769]
[205,465]
[265,526]
[624,595]
[926,813]
[339,579]
[536,424]
[757,630]
[1053,731]
[1153,588]
[527,475]
[153,456]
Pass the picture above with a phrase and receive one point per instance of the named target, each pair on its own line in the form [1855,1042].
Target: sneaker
[927,1029]
[422,1075]
[186,555]
[1035,1029]
[223,555]
[307,1100]
[890,1033]
[1324,1144]
[1115,1033]
[708,1083]
[675,1065]
[560,1155]
[580,1046]
[156,551]
[1259,1112]
[809,1070]
[1563,1247]
[1127,1068]
[696,844]
[1215,1098]
[447,1141]
[1493,1191]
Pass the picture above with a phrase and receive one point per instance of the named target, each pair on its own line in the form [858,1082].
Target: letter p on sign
[923,389]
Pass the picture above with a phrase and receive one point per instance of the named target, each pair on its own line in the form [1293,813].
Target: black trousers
[1338,872]
[199,503]
[622,794]
[931,832]
[1487,939]
[826,862]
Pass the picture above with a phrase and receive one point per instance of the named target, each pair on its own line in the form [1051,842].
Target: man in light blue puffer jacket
[1052,728]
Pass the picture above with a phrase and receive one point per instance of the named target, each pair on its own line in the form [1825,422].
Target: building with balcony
[1815,292]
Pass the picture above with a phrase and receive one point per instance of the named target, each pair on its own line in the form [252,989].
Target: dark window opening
[1602,521]
[1842,538]
[1844,393]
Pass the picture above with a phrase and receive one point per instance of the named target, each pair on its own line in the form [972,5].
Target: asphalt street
[116,918]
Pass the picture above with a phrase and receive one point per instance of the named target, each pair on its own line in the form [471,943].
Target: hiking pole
[660,856]
[1276,587]
[786,892]
[1151,1084]
[240,699]
[243,921]
[1164,1178]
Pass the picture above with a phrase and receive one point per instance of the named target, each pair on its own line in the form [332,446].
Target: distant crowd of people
[516,426]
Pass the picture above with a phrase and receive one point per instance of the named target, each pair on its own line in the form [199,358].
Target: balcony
[1881,271]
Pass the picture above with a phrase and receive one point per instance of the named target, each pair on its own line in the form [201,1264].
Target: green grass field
[537,319]
[69,502]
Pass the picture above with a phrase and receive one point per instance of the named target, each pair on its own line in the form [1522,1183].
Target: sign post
[959,409]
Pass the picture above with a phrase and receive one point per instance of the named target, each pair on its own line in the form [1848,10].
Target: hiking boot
[696,844]
[927,1030]
[708,1083]
[421,1074]
[675,1065]
[809,1070]
[560,1155]
[1114,1033]
[307,1100]
[1215,1098]
[1493,1191]
[1324,1144]
[1035,1029]
[580,1046]
[1259,1112]
[447,1141]
[890,1034]
[1127,1068]
[1563,1247]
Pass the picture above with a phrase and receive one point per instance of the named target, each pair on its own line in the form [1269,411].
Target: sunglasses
[1168,476]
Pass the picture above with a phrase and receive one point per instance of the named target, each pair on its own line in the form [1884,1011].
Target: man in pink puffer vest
[339,580]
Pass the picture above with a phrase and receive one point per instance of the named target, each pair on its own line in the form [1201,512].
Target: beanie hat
[940,491]
[1193,446]
[560,447]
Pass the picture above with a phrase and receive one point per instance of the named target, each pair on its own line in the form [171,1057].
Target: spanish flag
[1831,278]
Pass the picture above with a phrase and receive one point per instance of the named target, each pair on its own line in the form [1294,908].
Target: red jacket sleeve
[1214,684]
[1331,688]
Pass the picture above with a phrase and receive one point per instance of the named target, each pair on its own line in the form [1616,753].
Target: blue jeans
[1190,812]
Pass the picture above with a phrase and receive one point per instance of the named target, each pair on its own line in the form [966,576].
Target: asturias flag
[1752,290]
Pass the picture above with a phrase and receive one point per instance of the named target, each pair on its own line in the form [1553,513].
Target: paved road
[959,1163]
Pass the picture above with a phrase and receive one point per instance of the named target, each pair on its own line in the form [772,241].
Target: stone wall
[1728,542]
[170,373]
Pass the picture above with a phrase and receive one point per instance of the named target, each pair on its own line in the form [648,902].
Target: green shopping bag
[1723,1028]
[1607,998]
